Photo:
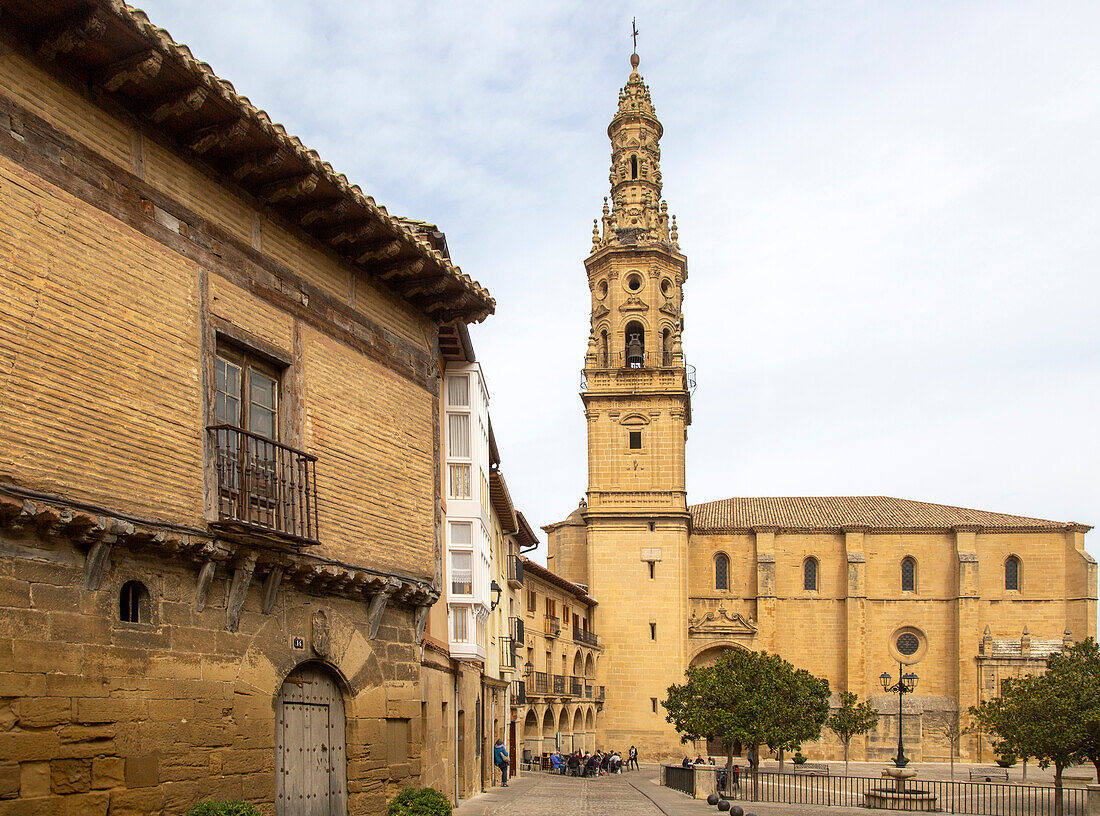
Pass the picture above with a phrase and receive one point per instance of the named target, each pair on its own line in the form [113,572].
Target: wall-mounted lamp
[496,592]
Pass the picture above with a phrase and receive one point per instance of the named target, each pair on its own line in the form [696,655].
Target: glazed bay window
[263,486]
[460,624]
[459,459]
[462,573]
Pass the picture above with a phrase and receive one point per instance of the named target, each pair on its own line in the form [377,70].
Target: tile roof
[553,578]
[116,51]
[835,512]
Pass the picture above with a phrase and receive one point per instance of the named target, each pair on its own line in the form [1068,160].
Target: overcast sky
[889,209]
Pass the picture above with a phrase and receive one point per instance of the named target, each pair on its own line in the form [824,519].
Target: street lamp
[496,592]
[907,684]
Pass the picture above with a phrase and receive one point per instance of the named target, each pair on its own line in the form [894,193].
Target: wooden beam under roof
[288,188]
[178,104]
[142,65]
[222,135]
[72,32]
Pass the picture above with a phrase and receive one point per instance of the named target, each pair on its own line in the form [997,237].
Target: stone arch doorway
[310,756]
[579,740]
[709,654]
[578,665]
[549,725]
[590,729]
[563,730]
[531,734]
[590,667]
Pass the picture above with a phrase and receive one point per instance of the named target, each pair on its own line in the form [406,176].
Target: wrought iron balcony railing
[584,636]
[515,629]
[515,571]
[553,626]
[576,686]
[507,654]
[519,692]
[542,684]
[264,486]
[600,693]
[561,684]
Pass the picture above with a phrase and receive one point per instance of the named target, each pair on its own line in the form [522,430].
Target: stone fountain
[899,797]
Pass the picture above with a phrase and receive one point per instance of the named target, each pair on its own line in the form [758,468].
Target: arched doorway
[563,729]
[578,730]
[578,665]
[310,760]
[590,667]
[590,729]
[531,745]
[549,725]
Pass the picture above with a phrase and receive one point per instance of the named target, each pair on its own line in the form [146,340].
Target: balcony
[560,685]
[553,626]
[588,691]
[576,686]
[515,630]
[519,692]
[515,572]
[541,686]
[507,654]
[599,694]
[585,637]
[264,488]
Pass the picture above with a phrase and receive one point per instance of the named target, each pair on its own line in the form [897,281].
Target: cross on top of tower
[634,33]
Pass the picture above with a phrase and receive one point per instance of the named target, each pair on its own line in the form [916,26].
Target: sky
[889,212]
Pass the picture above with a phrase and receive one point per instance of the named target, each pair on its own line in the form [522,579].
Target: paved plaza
[639,794]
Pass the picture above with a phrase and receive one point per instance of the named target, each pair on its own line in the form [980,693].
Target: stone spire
[638,214]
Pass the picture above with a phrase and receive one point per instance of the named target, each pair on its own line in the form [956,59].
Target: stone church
[847,587]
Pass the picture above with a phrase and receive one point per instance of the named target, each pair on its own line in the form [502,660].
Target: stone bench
[991,774]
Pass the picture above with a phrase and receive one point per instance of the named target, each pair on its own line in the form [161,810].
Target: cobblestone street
[537,794]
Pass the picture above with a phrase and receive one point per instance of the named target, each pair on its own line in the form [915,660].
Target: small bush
[224,809]
[419,802]
[798,759]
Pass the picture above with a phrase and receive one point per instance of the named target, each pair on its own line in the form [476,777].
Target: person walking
[500,759]
[632,759]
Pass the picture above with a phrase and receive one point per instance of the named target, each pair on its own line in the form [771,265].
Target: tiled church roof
[835,512]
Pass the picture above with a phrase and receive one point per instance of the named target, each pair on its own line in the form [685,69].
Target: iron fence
[680,778]
[980,798]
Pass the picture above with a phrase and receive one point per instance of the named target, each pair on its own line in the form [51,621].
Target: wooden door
[310,760]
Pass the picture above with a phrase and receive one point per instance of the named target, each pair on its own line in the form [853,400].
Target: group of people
[595,764]
[687,763]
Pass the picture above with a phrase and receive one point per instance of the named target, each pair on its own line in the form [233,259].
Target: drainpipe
[455,731]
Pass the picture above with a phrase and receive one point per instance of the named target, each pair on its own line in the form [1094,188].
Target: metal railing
[515,571]
[553,626]
[600,693]
[542,684]
[519,692]
[981,798]
[576,686]
[680,778]
[587,691]
[584,636]
[515,629]
[507,653]
[263,485]
[560,684]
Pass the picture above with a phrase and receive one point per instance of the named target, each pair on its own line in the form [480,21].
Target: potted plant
[1006,760]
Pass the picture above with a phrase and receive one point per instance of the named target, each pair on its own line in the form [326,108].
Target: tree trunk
[729,771]
[1025,769]
[1058,789]
[1096,764]
[781,760]
[847,744]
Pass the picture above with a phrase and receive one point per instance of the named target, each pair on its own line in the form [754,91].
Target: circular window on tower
[666,287]
[908,644]
[633,281]
[601,290]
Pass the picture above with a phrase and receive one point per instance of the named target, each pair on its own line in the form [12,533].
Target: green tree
[754,698]
[1036,717]
[851,719]
[1078,669]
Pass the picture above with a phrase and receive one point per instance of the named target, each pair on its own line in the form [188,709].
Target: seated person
[574,763]
[699,760]
[590,767]
[555,763]
[687,762]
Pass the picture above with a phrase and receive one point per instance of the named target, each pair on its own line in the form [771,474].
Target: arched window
[908,575]
[633,167]
[721,571]
[634,339]
[604,361]
[1012,573]
[809,575]
[133,603]
[666,347]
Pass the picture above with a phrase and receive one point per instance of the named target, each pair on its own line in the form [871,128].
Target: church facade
[848,588]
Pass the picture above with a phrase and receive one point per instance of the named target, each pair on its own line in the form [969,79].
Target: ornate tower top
[638,215]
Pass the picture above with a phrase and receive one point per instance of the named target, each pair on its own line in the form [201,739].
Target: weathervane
[634,33]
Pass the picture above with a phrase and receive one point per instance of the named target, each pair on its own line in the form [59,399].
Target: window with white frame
[459,454]
[460,624]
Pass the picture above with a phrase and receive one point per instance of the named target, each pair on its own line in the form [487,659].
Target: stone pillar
[855,623]
[967,629]
[765,586]
[1092,808]
[706,780]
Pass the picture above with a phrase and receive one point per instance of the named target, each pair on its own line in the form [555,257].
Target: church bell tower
[629,541]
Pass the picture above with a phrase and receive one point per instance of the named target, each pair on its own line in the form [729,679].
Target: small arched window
[1012,573]
[133,603]
[604,355]
[633,167]
[908,575]
[809,575]
[721,571]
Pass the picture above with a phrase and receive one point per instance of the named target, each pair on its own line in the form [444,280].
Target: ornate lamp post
[907,684]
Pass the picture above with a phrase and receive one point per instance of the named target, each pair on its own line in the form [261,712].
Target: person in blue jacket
[500,759]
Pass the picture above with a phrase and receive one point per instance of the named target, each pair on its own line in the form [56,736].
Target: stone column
[967,629]
[765,586]
[855,623]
